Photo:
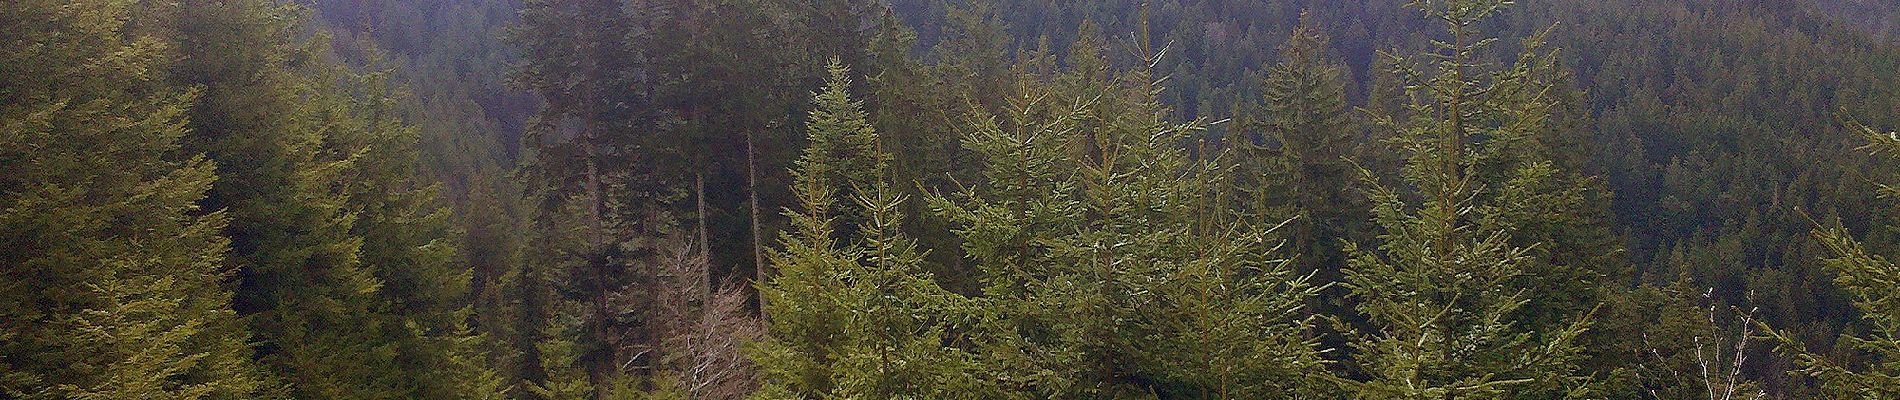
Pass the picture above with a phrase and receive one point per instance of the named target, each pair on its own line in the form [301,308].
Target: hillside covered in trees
[949,199]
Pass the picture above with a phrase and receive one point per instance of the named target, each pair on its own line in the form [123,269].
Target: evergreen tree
[664,113]
[443,56]
[855,314]
[408,241]
[1869,278]
[1449,293]
[1109,269]
[1675,343]
[597,200]
[565,375]
[807,298]
[1295,160]
[114,278]
[308,298]
[344,259]
[917,108]
[843,148]
[503,295]
[736,74]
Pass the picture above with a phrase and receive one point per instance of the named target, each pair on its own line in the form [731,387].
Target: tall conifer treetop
[1446,291]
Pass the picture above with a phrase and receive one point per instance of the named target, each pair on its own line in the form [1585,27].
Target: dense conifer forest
[949,199]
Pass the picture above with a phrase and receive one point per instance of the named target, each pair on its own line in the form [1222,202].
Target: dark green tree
[1296,157]
[666,115]
[1870,279]
[595,199]
[309,300]
[344,261]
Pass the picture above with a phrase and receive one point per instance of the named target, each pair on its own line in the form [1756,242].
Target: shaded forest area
[722,199]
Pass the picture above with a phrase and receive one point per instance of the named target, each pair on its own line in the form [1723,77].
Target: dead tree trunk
[762,271]
[705,245]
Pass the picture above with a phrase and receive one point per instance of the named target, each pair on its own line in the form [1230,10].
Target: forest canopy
[943,199]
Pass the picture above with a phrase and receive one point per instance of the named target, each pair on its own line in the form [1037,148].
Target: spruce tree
[495,237]
[308,298]
[597,202]
[408,242]
[1295,160]
[315,166]
[807,299]
[853,314]
[1109,267]
[114,278]
[1296,163]
[1448,292]
[917,108]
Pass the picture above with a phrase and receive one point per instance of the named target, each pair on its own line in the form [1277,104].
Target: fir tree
[1109,267]
[314,167]
[916,106]
[853,317]
[114,278]
[307,297]
[1296,160]
[408,242]
[1448,291]
[597,201]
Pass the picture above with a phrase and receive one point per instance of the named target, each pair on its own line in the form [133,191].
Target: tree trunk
[705,249]
[761,271]
[598,370]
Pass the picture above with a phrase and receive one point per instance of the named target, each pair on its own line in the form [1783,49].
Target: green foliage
[563,361]
[917,106]
[1105,256]
[842,150]
[408,242]
[1296,156]
[114,278]
[1677,342]
[1709,123]
[347,261]
[1295,162]
[1449,293]
[207,199]
[309,299]
[1870,279]
[854,317]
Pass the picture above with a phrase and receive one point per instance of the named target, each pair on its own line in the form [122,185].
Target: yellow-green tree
[852,312]
[113,283]
[1109,265]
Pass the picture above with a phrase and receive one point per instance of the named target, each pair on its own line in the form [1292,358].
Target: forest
[949,199]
